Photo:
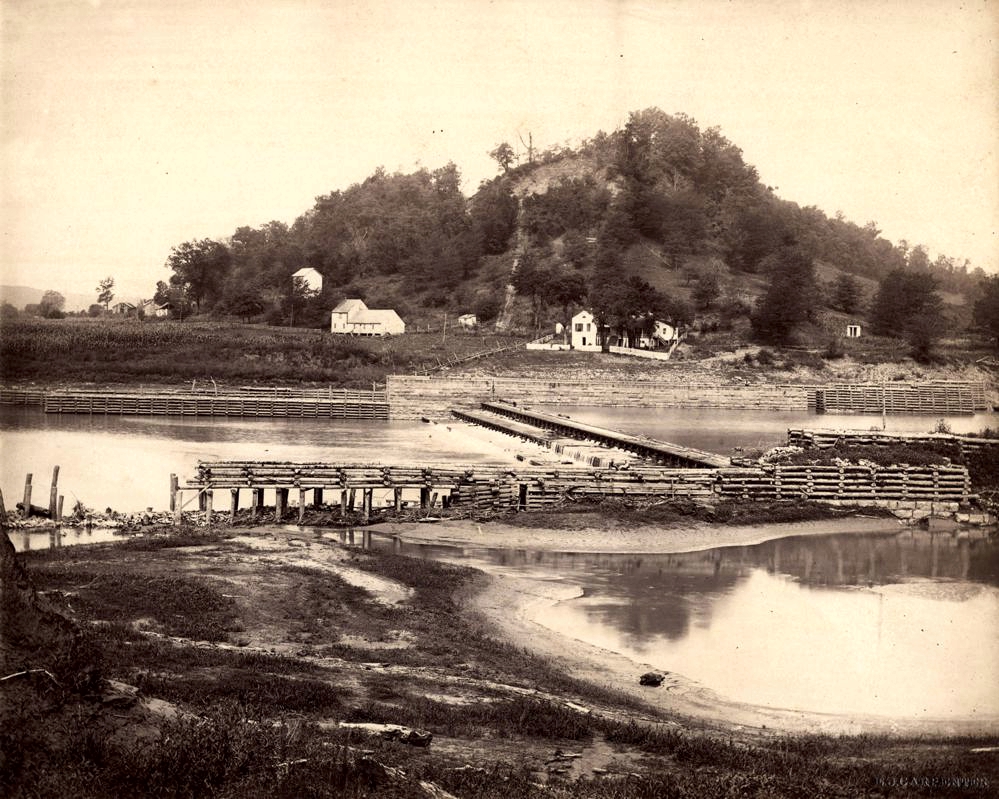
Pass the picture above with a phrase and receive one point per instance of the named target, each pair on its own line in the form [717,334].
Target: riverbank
[211,638]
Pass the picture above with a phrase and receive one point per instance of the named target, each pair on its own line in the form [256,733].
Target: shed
[469,321]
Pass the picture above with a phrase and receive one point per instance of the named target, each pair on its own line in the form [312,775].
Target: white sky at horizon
[129,126]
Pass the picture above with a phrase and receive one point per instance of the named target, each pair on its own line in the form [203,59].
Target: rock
[417,737]
[653,678]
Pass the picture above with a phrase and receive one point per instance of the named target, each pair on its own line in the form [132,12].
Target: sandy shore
[616,538]
[514,605]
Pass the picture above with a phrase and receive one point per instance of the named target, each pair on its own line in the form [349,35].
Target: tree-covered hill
[659,216]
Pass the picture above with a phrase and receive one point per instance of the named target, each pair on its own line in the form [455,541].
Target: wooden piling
[26,510]
[58,515]
[367,495]
[301,504]
[317,496]
[397,499]
[256,501]
[174,482]
[54,493]
[280,503]
[343,504]
[233,504]
[209,498]
[353,494]
[178,508]
[424,497]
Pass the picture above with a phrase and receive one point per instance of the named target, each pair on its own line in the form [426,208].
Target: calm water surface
[905,626]
[125,462]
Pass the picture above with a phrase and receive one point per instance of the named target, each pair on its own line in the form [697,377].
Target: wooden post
[173,493]
[366,498]
[178,509]
[58,508]
[256,500]
[433,500]
[201,501]
[424,496]
[208,495]
[343,503]
[317,497]
[301,505]
[233,504]
[26,511]
[54,493]
[397,499]
[280,503]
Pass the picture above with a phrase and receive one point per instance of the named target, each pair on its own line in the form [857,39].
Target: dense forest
[571,221]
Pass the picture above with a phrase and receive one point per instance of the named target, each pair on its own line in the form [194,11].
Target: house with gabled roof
[353,317]
[312,279]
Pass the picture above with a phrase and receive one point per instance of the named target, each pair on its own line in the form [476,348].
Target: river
[900,626]
[125,462]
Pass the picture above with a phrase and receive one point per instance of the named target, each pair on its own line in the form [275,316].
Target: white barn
[311,278]
[355,318]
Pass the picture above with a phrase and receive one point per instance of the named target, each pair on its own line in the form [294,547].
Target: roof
[306,270]
[349,306]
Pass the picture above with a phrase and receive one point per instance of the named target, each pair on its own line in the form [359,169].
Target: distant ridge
[19,296]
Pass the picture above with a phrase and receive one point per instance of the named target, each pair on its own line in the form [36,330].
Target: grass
[127,351]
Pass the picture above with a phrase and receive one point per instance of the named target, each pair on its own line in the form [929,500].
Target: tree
[199,269]
[52,304]
[846,294]
[790,297]
[493,213]
[8,311]
[105,291]
[566,288]
[907,305]
[95,309]
[987,309]
[504,156]
[707,289]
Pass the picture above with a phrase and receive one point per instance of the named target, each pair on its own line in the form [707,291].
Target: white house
[355,318]
[311,278]
[583,332]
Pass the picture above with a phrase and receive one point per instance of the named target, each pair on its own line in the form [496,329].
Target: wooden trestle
[661,452]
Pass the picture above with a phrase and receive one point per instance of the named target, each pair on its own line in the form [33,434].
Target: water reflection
[901,625]
[28,540]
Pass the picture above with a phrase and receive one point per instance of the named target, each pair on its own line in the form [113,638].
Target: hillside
[658,217]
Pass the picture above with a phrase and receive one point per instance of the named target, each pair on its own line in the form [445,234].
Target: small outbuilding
[469,321]
[353,317]
[853,331]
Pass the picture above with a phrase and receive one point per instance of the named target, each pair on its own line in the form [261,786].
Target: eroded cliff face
[33,634]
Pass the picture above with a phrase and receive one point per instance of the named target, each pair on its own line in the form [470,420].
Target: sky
[130,126]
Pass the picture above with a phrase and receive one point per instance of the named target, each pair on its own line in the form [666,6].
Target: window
[588,327]
[579,327]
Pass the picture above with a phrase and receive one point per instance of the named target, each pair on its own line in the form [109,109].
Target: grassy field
[107,351]
[128,351]
[253,657]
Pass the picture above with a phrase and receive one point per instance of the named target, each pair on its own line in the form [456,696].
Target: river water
[901,626]
[125,462]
